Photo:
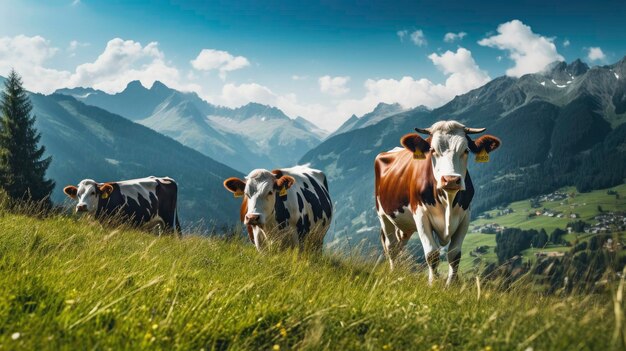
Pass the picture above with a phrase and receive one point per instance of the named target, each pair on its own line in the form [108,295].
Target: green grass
[474,240]
[74,285]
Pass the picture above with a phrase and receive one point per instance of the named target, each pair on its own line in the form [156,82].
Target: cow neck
[446,198]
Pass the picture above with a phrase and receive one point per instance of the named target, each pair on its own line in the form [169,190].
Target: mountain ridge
[219,132]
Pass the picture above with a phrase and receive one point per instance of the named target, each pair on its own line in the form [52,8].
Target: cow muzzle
[450,183]
[81,208]
[252,219]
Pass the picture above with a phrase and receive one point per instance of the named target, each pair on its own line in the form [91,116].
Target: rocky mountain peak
[561,71]
[134,85]
[577,68]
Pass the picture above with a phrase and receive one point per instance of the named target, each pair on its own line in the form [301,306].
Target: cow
[143,201]
[425,187]
[293,202]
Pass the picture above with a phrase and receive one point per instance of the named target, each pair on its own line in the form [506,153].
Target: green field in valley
[585,205]
[75,285]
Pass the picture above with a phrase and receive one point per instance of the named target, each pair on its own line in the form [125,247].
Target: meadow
[583,204]
[68,283]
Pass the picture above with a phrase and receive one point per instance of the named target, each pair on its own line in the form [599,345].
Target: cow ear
[106,189]
[71,191]
[235,185]
[285,182]
[488,143]
[414,142]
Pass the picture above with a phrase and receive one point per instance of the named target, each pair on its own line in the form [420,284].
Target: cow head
[260,189]
[88,193]
[448,149]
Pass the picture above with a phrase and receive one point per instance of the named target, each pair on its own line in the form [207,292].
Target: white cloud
[298,77]
[27,55]
[530,52]
[123,61]
[418,38]
[236,95]
[35,50]
[463,72]
[334,86]
[596,54]
[402,33]
[74,46]
[223,61]
[452,37]
[463,75]
[120,62]
[566,43]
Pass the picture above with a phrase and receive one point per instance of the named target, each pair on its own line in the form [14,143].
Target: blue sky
[323,60]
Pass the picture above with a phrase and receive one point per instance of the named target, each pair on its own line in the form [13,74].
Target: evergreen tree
[22,169]
[540,239]
[556,236]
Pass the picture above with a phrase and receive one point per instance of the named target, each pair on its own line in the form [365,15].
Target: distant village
[605,222]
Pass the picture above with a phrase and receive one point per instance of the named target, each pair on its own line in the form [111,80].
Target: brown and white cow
[142,201]
[425,187]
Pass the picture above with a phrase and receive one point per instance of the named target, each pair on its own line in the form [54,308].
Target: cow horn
[474,130]
[423,130]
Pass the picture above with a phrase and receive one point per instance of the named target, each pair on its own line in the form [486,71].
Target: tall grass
[75,284]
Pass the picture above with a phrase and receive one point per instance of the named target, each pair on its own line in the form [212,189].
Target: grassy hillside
[583,204]
[68,284]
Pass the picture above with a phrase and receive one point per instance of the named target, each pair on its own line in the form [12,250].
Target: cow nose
[81,208]
[450,182]
[252,219]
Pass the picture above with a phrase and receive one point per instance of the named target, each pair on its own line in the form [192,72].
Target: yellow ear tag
[482,156]
[105,196]
[239,193]
[418,155]
[283,192]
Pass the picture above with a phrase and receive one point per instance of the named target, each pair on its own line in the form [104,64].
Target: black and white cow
[142,201]
[291,201]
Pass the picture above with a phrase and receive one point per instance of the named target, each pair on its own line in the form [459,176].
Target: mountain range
[89,142]
[562,126]
[243,138]
[380,112]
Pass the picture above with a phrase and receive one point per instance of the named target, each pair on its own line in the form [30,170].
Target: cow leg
[392,241]
[454,250]
[168,215]
[156,226]
[430,246]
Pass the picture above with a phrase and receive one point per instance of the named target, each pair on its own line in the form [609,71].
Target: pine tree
[22,169]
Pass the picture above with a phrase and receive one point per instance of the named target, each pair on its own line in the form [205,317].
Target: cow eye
[93,193]
[466,151]
[270,193]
